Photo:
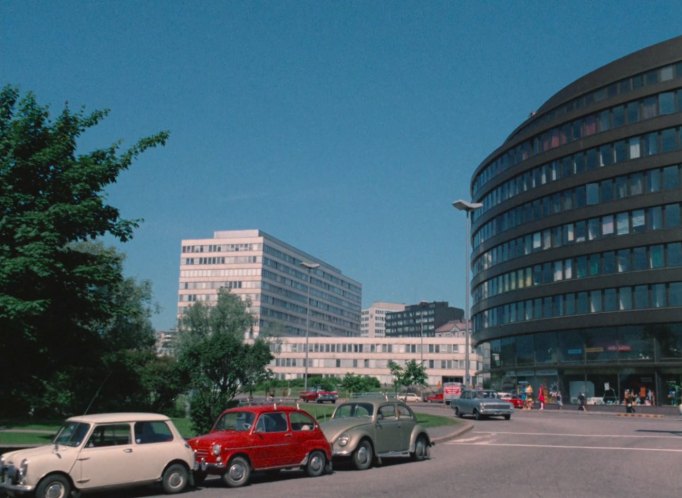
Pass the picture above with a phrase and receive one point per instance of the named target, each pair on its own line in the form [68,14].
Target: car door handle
[288,434]
[128,450]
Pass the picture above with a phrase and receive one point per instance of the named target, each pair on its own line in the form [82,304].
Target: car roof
[258,409]
[98,418]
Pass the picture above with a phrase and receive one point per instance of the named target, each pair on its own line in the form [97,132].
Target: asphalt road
[550,454]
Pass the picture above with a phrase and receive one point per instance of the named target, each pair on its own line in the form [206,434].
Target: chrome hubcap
[236,472]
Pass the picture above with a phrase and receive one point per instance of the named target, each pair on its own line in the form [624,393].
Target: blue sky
[343,128]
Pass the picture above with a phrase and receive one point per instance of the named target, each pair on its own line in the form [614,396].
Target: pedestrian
[559,401]
[581,402]
[541,397]
[629,400]
[529,397]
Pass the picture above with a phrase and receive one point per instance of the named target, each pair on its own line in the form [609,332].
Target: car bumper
[495,411]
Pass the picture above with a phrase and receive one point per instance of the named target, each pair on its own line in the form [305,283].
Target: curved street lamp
[468,208]
[308,266]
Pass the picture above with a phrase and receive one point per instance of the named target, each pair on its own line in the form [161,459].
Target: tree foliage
[412,374]
[62,315]
[354,383]
[214,358]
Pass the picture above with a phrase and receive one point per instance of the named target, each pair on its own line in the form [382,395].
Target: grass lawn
[12,432]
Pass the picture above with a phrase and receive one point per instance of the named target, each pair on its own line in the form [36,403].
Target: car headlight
[23,470]
[343,439]
[215,449]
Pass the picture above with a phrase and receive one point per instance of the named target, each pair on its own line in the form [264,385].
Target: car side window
[272,422]
[109,435]
[152,432]
[404,412]
[301,422]
[387,411]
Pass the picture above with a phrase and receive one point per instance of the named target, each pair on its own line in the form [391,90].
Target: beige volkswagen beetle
[370,429]
[108,450]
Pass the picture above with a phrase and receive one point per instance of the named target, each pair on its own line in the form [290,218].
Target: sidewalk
[445,433]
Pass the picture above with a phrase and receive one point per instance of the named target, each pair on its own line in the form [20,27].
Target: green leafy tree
[398,374]
[54,291]
[354,383]
[412,374]
[216,361]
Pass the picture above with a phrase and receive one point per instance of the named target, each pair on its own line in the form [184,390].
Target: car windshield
[234,421]
[354,410]
[72,434]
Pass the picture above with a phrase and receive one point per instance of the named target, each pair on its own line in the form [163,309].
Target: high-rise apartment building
[421,320]
[577,248]
[373,320]
[289,291]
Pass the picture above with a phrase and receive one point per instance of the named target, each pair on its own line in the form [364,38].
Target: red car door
[273,441]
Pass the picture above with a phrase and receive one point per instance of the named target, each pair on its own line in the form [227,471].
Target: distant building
[165,342]
[373,320]
[285,296]
[420,319]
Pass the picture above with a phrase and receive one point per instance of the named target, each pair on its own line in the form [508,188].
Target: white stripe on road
[566,447]
[671,435]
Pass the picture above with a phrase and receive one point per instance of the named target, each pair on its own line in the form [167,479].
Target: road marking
[671,436]
[569,447]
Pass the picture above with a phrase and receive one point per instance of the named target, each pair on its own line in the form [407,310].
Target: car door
[272,441]
[407,422]
[387,429]
[108,458]
[304,435]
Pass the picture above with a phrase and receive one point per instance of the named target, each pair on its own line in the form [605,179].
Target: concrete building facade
[289,291]
[373,319]
[577,249]
[421,319]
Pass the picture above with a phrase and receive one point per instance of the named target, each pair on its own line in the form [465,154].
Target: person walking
[529,397]
[629,400]
[541,397]
[559,401]
[581,402]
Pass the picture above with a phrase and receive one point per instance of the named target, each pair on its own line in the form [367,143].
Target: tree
[354,383]
[413,374]
[216,361]
[54,290]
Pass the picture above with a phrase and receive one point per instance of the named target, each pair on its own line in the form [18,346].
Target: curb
[466,427]
[639,415]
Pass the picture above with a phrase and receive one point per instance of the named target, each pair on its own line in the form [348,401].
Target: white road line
[637,436]
[569,447]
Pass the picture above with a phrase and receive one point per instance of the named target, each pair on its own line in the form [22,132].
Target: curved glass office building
[577,248]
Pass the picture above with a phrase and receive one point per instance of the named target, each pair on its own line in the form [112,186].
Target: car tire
[174,479]
[238,472]
[421,448]
[477,415]
[363,455]
[316,465]
[458,413]
[53,486]
[507,417]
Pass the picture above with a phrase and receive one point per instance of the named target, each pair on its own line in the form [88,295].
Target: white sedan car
[108,450]
[410,397]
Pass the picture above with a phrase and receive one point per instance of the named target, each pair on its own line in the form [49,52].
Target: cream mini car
[108,450]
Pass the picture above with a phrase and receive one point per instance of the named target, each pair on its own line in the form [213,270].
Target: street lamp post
[308,266]
[422,304]
[468,208]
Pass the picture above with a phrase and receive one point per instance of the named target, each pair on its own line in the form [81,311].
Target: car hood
[226,439]
[335,427]
[15,457]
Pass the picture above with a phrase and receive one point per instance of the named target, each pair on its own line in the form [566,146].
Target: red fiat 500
[266,437]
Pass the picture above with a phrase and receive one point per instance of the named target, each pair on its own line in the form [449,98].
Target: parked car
[263,437]
[512,398]
[319,395]
[480,404]
[108,450]
[434,397]
[374,428]
[410,397]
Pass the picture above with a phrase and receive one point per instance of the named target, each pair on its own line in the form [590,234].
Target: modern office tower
[290,292]
[373,319]
[420,320]
[577,249]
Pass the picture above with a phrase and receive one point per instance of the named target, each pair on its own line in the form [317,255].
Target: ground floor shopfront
[602,363]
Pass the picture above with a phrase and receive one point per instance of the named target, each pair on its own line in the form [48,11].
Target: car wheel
[363,455]
[507,417]
[238,472]
[316,464]
[477,415]
[174,479]
[421,449]
[53,486]
[458,413]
